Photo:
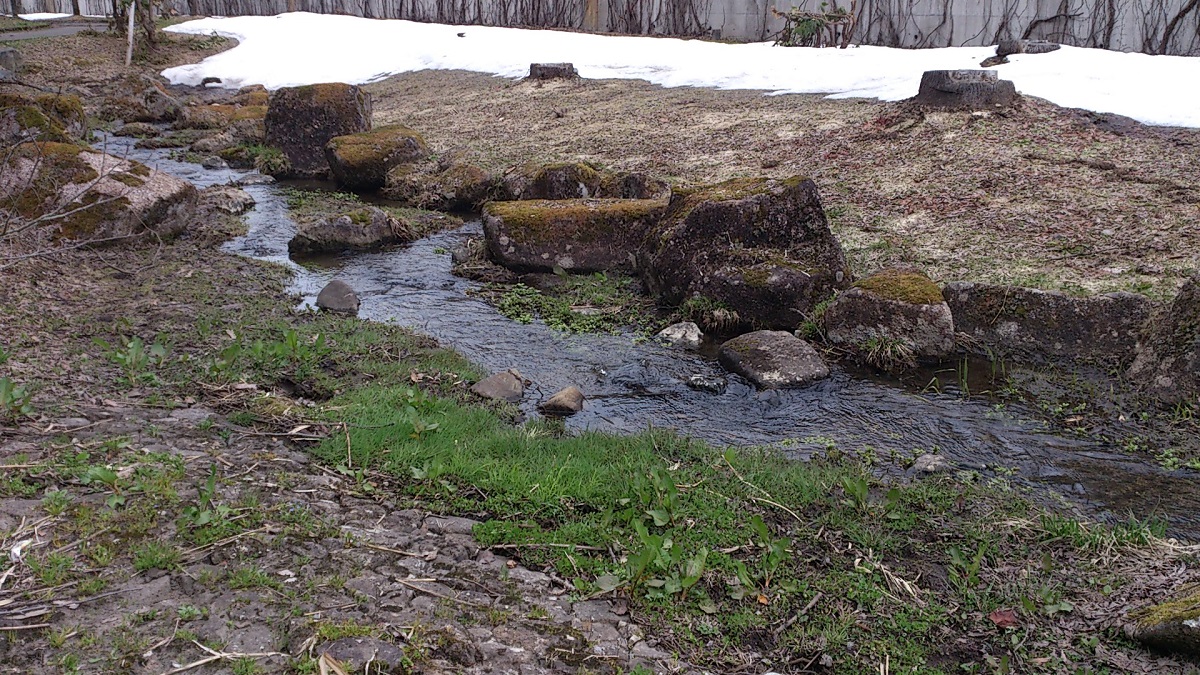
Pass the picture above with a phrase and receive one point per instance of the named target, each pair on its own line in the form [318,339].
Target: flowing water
[633,384]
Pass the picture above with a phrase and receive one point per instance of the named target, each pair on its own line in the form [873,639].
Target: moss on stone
[1185,607]
[756,277]
[587,219]
[66,107]
[58,165]
[84,223]
[139,169]
[367,146]
[902,286]
[126,178]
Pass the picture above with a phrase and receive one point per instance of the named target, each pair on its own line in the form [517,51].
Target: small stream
[632,384]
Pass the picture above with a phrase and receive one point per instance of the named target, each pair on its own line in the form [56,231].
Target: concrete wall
[1126,25]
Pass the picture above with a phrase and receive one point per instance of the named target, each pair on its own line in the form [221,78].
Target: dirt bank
[1038,196]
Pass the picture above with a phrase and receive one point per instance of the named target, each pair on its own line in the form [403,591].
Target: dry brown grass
[1039,196]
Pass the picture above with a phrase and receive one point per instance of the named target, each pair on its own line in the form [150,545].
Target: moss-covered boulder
[893,318]
[454,185]
[217,115]
[759,246]
[1041,326]
[1168,359]
[300,121]
[138,130]
[577,180]
[773,359]
[363,230]
[48,117]
[361,161]
[577,235]
[1171,626]
[83,195]
[140,98]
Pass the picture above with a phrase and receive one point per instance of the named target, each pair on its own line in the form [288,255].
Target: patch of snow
[43,16]
[301,48]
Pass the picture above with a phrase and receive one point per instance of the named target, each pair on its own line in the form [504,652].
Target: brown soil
[1039,196]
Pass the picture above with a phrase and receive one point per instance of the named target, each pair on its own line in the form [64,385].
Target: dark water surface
[632,384]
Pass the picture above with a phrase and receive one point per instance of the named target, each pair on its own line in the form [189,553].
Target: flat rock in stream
[227,199]
[685,335]
[362,230]
[507,385]
[566,402]
[773,359]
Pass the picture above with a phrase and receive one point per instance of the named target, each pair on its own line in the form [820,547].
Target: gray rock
[138,130]
[685,334]
[1173,625]
[356,652]
[898,310]
[365,229]
[1010,47]
[552,71]
[214,144]
[11,59]
[302,120]
[566,402]
[577,235]
[450,525]
[1042,325]
[506,385]
[227,199]
[213,163]
[339,298]
[964,90]
[773,359]
[1168,360]
[7,75]
[928,463]
[758,248]
[254,179]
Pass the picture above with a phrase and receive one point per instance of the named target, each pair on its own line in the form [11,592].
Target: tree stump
[964,89]
[552,71]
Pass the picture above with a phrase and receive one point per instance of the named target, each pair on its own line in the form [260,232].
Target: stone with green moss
[577,180]
[361,161]
[454,185]
[1168,359]
[47,117]
[1172,626]
[300,121]
[363,229]
[760,246]
[78,194]
[577,235]
[892,319]
[773,359]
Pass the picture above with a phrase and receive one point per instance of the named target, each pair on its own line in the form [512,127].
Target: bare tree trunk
[75,8]
[16,8]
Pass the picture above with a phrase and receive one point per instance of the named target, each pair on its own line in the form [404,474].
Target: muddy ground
[1038,196]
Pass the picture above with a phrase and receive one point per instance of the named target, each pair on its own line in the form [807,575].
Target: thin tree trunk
[75,8]
[16,8]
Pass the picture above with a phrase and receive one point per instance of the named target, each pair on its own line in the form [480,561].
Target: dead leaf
[763,600]
[1004,618]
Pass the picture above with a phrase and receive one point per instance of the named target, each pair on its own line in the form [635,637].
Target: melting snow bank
[301,48]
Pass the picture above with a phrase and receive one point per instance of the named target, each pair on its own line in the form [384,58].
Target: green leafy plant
[965,568]
[135,356]
[857,490]
[759,582]
[206,510]
[15,400]
[109,479]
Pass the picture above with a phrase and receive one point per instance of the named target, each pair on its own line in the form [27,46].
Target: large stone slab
[1168,362]
[773,359]
[577,235]
[1046,325]
[896,315]
[300,121]
[87,196]
[964,90]
[361,161]
[363,230]
[761,248]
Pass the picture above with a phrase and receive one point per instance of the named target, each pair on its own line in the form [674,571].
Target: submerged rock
[566,402]
[361,161]
[1168,361]
[773,359]
[577,235]
[1172,626]
[227,199]
[1046,325]
[759,247]
[365,229]
[507,385]
[685,334]
[900,310]
[339,298]
[709,383]
[93,196]
[300,121]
